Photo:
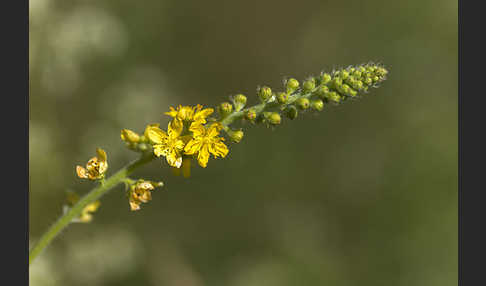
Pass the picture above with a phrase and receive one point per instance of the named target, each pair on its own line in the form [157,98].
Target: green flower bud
[282,97]
[317,104]
[347,90]
[250,114]
[291,112]
[344,74]
[368,81]
[336,83]
[272,117]
[225,108]
[322,90]
[371,68]
[291,85]
[235,135]
[357,84]
[239,101]
[309,85]
[325,78]
[344,89]
[302,103]
[381,71]
[357,74]
[264,93]
[334,97]
[143,147]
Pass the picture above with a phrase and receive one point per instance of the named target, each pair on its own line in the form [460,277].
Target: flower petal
[161,150]
[155,134]
[174,159]
[214,129]
[81,172]
[203,156]
[219,149]
[172,112]
[192,147]
[175,127]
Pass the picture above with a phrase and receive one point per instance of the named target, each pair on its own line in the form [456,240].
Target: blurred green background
[362,194]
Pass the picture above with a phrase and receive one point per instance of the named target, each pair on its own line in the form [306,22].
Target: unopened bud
[344,74]
[322,90]
[317,104]
[309,85]
[368,81]
[357,74]
[250,114]
[334,97]
[225,108]
[129,136]
[357,84]
[264,93]
[282,97]
[381,71]
[239,101]
[370,68]
[291,85]
[302,103]
[336,82]
[235,135]
[291,112]
[344,89]
[325,78]
[272,117]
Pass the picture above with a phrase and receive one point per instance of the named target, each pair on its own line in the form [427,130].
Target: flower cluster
[188,135]
[193,134]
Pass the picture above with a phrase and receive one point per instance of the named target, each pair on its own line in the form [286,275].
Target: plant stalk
[90,197]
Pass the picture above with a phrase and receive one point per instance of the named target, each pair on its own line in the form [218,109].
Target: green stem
[90,197]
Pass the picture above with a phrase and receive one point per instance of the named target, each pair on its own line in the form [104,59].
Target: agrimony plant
[195,134]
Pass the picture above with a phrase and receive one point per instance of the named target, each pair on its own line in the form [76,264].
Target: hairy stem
[90,197]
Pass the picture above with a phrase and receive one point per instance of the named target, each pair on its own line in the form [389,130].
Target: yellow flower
[86,213]
[195,114]
[170,144]
[205,141]
[141,193]
[95,168]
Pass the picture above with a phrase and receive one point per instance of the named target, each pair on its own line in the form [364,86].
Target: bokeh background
[361,194]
